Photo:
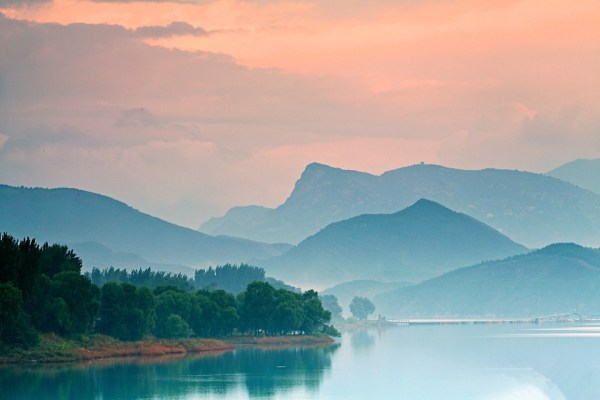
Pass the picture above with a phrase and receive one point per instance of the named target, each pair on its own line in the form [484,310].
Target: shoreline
[54,349]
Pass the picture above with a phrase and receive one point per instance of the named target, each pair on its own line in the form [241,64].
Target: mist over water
[466,362]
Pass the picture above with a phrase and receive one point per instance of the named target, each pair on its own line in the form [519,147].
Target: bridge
[569,317]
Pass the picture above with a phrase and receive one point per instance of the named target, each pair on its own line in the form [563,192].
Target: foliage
[52,295]
[42,290]
[361,307]
[330,303]
[176,328]
[265,310]
[126,312]
[140,277]
[231,278]
[15,327]
[55,259]
[257,304]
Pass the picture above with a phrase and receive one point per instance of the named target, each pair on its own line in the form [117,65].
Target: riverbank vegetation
[42,291]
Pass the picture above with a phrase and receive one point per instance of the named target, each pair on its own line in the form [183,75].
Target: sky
[183,109]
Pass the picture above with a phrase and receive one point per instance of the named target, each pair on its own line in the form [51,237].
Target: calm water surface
[487,362]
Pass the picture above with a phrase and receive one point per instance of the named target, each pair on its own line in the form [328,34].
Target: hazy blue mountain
[532,209]
[76,216]
[238,216]
[583,173]
[346,291]
[417,243]
[560,278]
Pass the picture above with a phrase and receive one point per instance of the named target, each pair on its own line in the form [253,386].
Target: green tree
[81,297]
[56,258]
[288,314]
[67,304]
[227,317]
[330,303]
[126,312]
[203,314]
[257,304]
[29,266]
[361,307]
[315,316]
[9,259]
[169,303]
[15,328]
[176,327]
[231,278]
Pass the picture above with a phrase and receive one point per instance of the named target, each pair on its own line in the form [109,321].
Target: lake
[483,362]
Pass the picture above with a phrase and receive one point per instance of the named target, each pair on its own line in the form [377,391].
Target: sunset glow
[121,97]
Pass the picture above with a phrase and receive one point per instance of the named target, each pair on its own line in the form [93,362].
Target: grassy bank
[55,349]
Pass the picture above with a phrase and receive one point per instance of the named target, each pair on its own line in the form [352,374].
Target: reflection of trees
[270,371]
[362,339]
[262,372]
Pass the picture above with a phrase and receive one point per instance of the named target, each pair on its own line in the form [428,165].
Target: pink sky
[186,120]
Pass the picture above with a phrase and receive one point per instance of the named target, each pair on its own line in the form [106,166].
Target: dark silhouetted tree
[126,312]
[315,316]
[257,304]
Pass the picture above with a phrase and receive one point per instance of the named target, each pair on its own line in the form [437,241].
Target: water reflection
[362,339]
[259,372]
[467,362]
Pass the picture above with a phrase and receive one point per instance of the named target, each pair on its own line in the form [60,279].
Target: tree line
[229,277]
[42,290]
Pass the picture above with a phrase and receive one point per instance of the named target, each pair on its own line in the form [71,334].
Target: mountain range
[105,230]
[532,209]
[417,243]
[583,173]
[558,279]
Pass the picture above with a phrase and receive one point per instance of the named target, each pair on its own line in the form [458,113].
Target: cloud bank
[184,109]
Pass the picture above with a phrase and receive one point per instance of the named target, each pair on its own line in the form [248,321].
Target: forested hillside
[42,291]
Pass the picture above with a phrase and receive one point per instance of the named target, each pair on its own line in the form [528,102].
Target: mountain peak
[426,203]
[317,166]
[426,207]
[419,242]
[318,169]
[572,250]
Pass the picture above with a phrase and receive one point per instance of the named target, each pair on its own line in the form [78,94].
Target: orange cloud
[384,45]
[369,85]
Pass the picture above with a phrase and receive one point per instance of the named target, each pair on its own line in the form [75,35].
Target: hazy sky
[184,109]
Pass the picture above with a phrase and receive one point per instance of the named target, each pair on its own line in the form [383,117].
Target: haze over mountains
[107,230]
[583,173]
[417,243]
[346,291]
[558,279]
[370,253]
[532,209]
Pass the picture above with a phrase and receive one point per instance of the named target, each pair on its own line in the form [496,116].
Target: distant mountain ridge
[532,209]
[115,229]
[558,279]
[414,244]
[583,173]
